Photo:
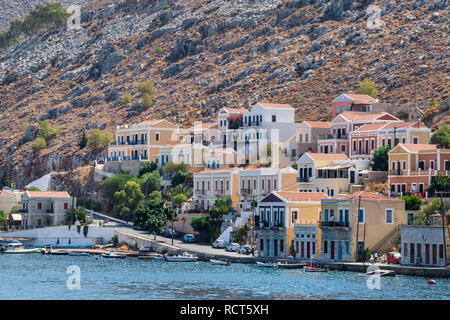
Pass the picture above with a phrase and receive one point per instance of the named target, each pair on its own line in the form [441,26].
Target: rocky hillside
[207,54]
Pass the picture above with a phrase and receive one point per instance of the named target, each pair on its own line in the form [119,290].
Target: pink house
[351,102]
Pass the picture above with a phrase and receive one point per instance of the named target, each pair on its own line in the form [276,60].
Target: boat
[185,257]
[112,254]
[291,265]
[80,254]
[19,250]
[315,269]
[266,264]
[58,252]
[220,262]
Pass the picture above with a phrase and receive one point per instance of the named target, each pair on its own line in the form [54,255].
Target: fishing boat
[185,257]
[112,254]
[58,252]
[220,262]
[315,269]
[266,264]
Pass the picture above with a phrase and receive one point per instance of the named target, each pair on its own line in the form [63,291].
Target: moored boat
[19,250]
[80,254]
[112,254]
[220,262]
[267,264]
[315,269]
[185,257]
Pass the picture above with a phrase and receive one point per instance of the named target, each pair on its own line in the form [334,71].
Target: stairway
[388,242]
[240,221]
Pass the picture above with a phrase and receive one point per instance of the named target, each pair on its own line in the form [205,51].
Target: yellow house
[355,222]
[211,184]
[279,214]
[139,143]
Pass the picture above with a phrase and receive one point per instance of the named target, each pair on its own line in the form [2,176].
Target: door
[410,217]
[332,250]
[296,247]
[434,254]
[308,250]
[352,177]
[411,256]
[275,248]
[427,253]
[340,251]
[268,247]
[346,217]
[303,249]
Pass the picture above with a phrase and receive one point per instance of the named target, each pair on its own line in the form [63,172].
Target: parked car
[245,249]
[168,233]
[393,257]
[219,244]
[190,238]
[232,247]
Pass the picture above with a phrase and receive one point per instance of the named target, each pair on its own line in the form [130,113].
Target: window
[372,144]
[66,206]
[404,165]
[347,247]
[294,153]
[422,165]
[441,251]
[294,216]
[325,247]
[301,138]
[405,249]
[39,205]
[361,216]
[157,136]
[281,245]
[306,137]
[415,140]
[432,164]
[274,118]
[389,216]
[261,244]
[337,109]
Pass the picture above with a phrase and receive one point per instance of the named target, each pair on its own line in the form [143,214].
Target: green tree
[368,87]
[147,100]
[33,189]
[80,214]
[147,167]
[39,144]
[3,218]
[380,159]
[111,185]
[412,202]
[83,140]
[46,131]
[147,87]
[178,200]
[128,199]
[441,137]
[439,183]
[98,140]
[6,179]
[127,98]
[150,181]
[153,215]
[182,189]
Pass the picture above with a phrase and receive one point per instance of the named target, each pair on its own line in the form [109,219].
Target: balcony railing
[129,143]
[200,192]
[246,191]
[342,224]
[268,225]
[333,136]
[304,179]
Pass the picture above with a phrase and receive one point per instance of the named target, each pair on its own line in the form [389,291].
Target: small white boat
[220,262]
[21,250]
[185,257]
[112,254]
[266,264]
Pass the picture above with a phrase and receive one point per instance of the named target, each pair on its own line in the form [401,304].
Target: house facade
[45,208]
[211,184]
[277,215]
[413,166]
[139,143]
[327,173]
[352,102]
[307,135]
[351,223]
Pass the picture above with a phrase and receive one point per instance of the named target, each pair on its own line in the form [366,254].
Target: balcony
[268,225]
[246,191]
[219,191]
[341,224]
[333,136]
[200,192]
[304,179]
[396,172]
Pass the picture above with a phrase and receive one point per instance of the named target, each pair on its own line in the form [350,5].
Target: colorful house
[413,166]
[277,215]
[355,222]
[352,102]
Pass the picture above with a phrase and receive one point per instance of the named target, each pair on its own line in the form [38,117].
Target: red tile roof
[48,194]
[361,98]
[216,171]
[371,126]
[419,147]
[362,116]
[235,110]
[301,196]
[275,105]
[366,196]
[318,124]
[413,124]
[6,192]
[327,156]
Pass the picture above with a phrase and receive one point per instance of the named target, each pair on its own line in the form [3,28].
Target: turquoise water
[35,276]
